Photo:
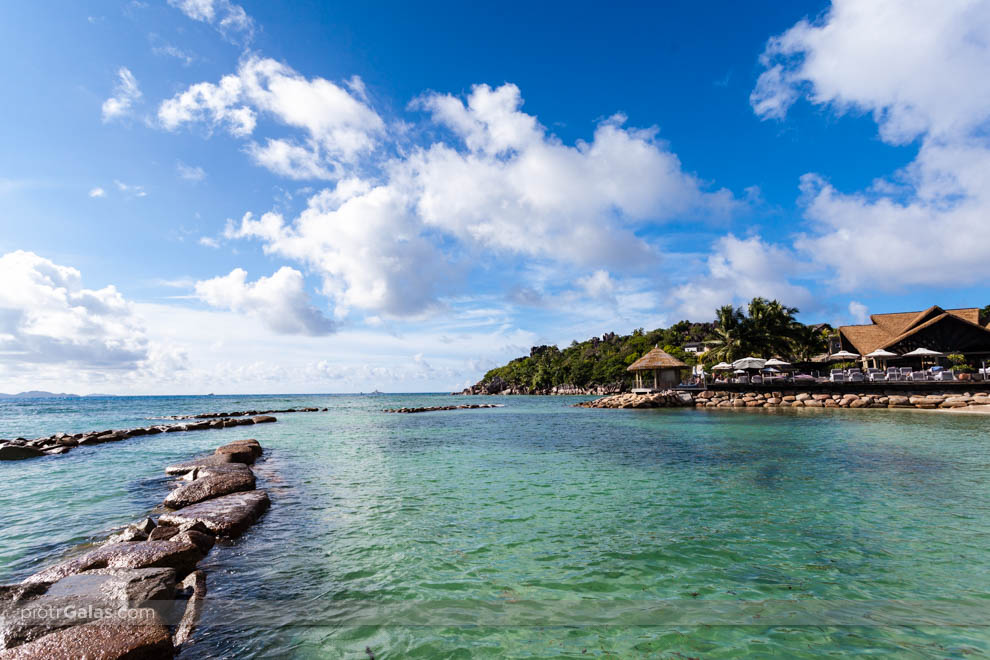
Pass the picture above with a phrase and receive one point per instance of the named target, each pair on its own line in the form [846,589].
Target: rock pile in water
[668,399]
[470,406]
[63,443]
[244,413]
[139,594]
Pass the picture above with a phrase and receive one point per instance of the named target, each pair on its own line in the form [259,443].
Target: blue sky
[200,196]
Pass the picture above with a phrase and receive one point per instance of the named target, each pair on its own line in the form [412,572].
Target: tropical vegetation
[765,328]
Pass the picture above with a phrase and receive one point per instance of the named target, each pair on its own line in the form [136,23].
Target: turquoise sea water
[541,530]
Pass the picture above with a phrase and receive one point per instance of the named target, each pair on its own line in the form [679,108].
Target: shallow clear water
[543,530]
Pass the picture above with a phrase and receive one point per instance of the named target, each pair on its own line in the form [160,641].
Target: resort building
[657,370]
[937,329]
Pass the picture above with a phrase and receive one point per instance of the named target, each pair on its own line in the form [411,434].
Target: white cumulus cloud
[48,316]
[230,19]
[97,192]
[125,94]
[337,126]
[920,69]
[738,270]
[502,186]
[279,301]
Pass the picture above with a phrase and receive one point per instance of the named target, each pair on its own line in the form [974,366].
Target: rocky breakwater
[928,400]
[139,594]
[668,399]
[244,413]
[470,406]
[63,443]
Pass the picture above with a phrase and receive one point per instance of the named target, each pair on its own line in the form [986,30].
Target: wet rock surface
[205,488]
[470,406]
[142,584]
[106,639]
[226,516]
[201,462]
[141,554]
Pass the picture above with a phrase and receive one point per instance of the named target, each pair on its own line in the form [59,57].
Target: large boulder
[207,488]
[203,461]
[76,599]
[263,419]
[227,516]
[239,453]
[140,554]
[107,639]
[17,452]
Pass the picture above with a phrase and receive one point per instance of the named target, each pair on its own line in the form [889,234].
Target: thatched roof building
[665,367]
[945,330]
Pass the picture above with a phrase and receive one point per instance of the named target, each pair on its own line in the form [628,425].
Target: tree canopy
[764,329]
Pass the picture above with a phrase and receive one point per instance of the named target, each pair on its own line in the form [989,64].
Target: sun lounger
[837,376]
[918,375]
[945,375]
[856,377]
[906,373]
[893,373]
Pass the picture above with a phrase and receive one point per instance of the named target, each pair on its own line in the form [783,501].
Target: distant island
[40,394]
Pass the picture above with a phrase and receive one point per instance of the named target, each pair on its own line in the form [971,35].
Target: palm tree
[730,335]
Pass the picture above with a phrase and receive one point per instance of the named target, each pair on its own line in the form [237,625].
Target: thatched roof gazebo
[665,367]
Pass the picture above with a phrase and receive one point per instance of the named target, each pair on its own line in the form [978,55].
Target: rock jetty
[138,595]
[668,399]
[243,413]
[470,406]
[63,443]
[927,400]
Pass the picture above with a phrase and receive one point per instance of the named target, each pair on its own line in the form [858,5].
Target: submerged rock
[227,516]
[195,587]
[18,452]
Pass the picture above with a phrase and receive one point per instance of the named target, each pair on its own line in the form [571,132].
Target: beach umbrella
[749,363]
[881,354]
[774,362]
[843,355]
[722,366]
[924,354]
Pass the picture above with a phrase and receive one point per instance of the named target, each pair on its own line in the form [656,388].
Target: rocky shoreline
[927,400]
[139,594]
[63,443]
